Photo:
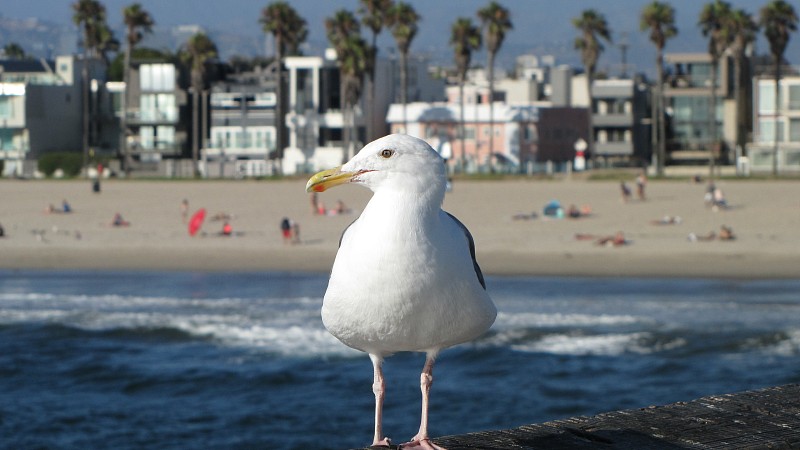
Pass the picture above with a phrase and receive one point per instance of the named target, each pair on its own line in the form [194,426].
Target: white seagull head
[394,161]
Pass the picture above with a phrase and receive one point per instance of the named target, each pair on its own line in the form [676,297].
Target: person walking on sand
[641,183]
[185,210]
[286,230]
[625,191]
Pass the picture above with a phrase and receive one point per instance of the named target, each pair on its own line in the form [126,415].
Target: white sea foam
[514,320]
[787,347]
[288,326]
[605,345]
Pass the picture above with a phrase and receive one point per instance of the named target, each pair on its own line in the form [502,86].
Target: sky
[540,26]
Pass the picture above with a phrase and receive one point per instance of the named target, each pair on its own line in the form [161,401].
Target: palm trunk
[461,123]
[713,118]
[280,107]
[777,111]
[371,91]
[195,133]
[404,86]
[345,113]
[85,108]
[590,139]
[491,112]
[738,97]
[661,134]
[123,142]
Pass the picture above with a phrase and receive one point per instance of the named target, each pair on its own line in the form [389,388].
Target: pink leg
[421,440]
[379,388]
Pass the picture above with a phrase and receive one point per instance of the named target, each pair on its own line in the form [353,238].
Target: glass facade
[6,110]
[158,108]
[692,121]
[157,77]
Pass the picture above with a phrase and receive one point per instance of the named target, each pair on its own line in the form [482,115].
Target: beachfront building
[242,137]
[620,121]
[766,117]
[40,110]
[158,118]
[526,136]
[315,120]
[687,97]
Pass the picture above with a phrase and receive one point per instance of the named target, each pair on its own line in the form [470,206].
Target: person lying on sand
[667,220]
[615,240]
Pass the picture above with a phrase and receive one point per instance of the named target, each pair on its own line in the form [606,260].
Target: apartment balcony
[614,148]
[136,117]
[149,148]
[251,152]
[612,120]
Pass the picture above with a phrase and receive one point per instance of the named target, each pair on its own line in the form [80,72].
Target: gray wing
[347,228]
[471,249]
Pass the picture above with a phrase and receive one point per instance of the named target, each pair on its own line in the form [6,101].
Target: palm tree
[198,51]
[743,28]
[464,38]
[12,50]
[106,42]
[90,16]
[289,30]
[402,20]
[659,18]
[137,20]
[496,22]
[593,27]
[778,19]
[715,24]
[374,16]
[343,30]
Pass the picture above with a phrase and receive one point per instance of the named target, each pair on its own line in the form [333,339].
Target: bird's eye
[387,153]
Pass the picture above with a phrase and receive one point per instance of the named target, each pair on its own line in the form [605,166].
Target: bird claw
[424,444]
[384,443]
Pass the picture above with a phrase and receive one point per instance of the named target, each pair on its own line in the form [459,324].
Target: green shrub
[69,162]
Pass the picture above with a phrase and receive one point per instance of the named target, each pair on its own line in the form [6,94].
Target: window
[469,133]
[767,131]
[6,139]
[794,130]
[165,137]
[158,108]
[157,77]
[766,97]
[146,137]
[6,110]
[794,97]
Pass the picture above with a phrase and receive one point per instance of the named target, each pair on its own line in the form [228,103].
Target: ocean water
[241,360]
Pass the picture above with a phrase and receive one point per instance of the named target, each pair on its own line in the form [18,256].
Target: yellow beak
[328,179]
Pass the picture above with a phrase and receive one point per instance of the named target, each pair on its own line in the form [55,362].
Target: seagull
[405,277]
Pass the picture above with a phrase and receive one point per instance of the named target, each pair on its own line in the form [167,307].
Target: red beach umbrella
[197,221]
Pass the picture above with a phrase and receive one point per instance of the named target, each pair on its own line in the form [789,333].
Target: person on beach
[641,183]
[295,232]
[718,200]
[2,231]
[286,230]
[118,221]
[726,233]
[314,203]
[65,207]
[616,240]
[227,229]
[185,210]
[625,191]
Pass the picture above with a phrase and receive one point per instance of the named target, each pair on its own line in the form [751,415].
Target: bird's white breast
[405,282]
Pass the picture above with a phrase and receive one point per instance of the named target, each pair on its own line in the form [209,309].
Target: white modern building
[766,117]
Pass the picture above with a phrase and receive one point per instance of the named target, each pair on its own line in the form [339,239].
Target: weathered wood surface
[763,419]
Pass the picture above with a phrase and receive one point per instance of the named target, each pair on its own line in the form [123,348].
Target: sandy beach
[764,215]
